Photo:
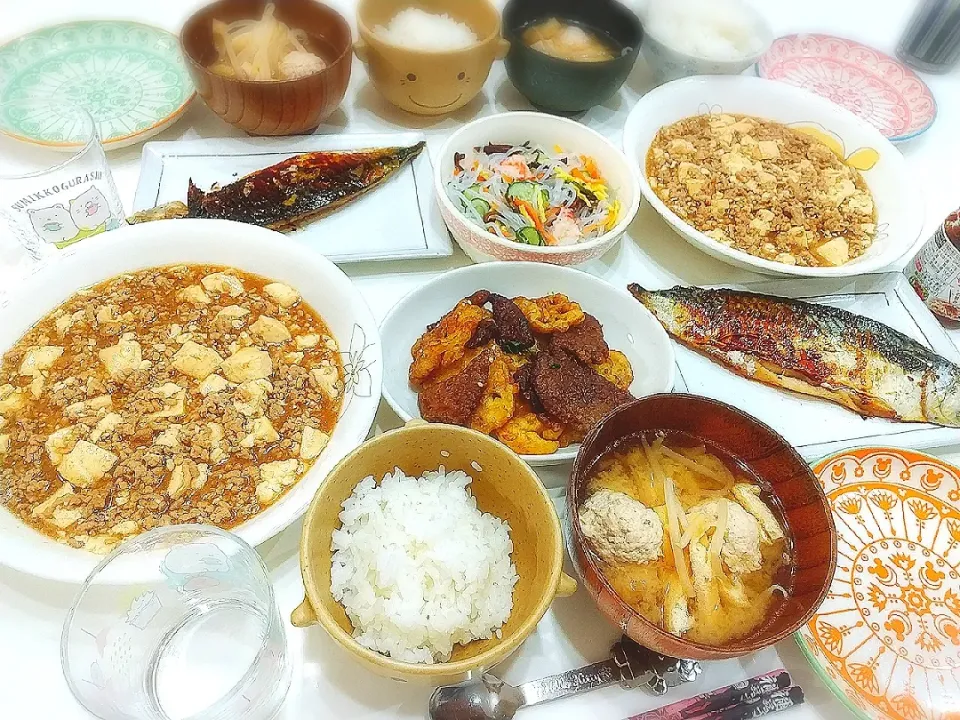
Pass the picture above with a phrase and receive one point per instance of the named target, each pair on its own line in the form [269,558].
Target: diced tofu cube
[679,146]
[307,341]
[86,464]
[45,509]
[312,443]
[65,517]
[282,295]
[270,330]
[231,316]
[169,437]
[98,544]
[247,364]
[4,444]
[834,252]
[217,452]
[36,386]
[860,202]
[39,358]
[179,482]
[261,432]
[327,378]
[174,401]
[251,396]
[214,384]
[769,149]
[734,162]
[194,294]
[60,442]
[196,360]
[274,477]
[125,527]
[293,357]
[106,426]
[65,322]
[11,399]
[218,283]
[122,358]
[105,314]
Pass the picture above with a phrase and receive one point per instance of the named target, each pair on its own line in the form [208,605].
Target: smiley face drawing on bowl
[431,83]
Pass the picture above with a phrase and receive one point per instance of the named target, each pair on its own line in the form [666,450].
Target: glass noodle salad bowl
[557,137]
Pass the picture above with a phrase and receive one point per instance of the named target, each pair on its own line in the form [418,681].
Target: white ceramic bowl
[670,63]
[249,248]
[548,130]
[899,207]
[627,326]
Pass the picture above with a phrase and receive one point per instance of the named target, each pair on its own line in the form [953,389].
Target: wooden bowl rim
[347,52]
[489,657]
[693,650]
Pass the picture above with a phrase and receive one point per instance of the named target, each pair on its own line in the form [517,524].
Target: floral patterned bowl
[887,638]
[548,130]
[874,86]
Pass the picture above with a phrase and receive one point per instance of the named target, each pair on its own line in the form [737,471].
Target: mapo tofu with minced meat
[184,394]
[537,373]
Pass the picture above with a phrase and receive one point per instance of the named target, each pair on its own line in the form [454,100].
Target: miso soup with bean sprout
[688,537]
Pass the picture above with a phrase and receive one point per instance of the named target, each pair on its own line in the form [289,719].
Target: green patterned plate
[130,77]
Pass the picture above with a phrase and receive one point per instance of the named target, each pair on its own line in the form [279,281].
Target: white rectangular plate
[817,427]
[398,220]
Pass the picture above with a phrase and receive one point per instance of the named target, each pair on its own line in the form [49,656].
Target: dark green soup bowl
[564,86]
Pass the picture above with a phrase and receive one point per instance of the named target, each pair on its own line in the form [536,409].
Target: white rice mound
[418,568]
[419,30]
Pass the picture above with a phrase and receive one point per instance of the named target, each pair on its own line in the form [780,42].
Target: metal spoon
[489,698]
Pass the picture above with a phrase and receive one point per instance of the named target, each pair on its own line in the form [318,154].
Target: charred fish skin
[813,349]
[304,187]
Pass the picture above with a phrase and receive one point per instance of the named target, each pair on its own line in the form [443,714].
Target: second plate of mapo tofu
[179,394]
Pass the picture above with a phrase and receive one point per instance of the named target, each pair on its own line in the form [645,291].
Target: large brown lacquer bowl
[772,458]
[281,107]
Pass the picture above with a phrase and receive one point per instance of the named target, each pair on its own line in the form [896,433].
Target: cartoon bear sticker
[54,224]
[90,210]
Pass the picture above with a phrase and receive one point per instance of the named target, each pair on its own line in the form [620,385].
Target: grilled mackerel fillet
[299,189]
[812,349]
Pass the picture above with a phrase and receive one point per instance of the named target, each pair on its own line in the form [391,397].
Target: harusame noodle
[691,490]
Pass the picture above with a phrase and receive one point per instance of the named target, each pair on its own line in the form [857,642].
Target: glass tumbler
[177,623]
[48,201]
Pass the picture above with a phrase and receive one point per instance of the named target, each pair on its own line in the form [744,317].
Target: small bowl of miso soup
[568,55]
[698,530]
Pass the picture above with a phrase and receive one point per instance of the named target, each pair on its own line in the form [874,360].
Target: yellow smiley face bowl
[403,56]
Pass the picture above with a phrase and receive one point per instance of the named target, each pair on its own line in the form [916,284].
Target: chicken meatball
[620,528]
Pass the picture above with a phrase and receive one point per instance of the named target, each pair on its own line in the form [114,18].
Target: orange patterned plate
[887,638]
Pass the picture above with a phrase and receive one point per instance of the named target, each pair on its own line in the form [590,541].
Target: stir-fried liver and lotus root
[536,373]
[186,394]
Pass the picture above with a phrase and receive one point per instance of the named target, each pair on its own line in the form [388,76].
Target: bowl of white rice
[703,37]
[430,554]
[428,57]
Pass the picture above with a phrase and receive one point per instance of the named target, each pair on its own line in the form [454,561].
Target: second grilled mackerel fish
[813,349]
[301,188]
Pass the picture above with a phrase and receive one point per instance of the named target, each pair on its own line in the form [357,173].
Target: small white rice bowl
[419,30]
[418,568]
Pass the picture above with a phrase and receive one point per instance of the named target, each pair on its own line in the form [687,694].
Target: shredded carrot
[530,212]
[590,165]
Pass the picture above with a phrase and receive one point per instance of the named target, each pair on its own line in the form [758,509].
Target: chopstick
[764,705]
[730,696]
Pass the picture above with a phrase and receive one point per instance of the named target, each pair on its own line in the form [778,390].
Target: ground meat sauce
[183,394]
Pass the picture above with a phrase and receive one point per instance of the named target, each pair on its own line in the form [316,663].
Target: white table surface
[327,683]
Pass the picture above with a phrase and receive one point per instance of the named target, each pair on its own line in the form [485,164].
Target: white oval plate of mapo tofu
[175,372]
[897,207]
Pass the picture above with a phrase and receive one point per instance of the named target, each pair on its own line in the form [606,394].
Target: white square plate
[398,220]
[818,427]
